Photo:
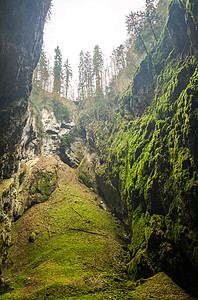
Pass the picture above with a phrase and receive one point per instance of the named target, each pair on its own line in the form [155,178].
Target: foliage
[66,246]
[43,70]
[67,76]
[135,24]
[148,153]
[41,73]
[144,27]
[97,70]
[81,78]
[67,139]
[40,99]
[90,74]
[156,170]
[57,72]
[61,111]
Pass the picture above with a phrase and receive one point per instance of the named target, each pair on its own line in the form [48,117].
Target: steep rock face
[33,145]
[21,31]
[152,160]
[179,39]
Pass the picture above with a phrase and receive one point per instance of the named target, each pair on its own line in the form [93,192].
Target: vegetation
[70,248]
[145,146]
[65,246]
[145,27]
[56,81]
[150,162]
[57,72]
[67,76]
[143,141]
[61,111]
[40,99]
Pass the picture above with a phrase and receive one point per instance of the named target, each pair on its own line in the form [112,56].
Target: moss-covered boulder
[36,183]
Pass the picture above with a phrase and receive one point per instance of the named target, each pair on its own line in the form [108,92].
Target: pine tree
[57,72]
[151,16]
[114,66]
[36,87]
[118,59]
[135,23]
[67,76]
[98,69]
[120,53]
[81,77]
[88,74]
[43,71]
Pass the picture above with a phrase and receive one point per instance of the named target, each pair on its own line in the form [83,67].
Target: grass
[77,249]
[75,241]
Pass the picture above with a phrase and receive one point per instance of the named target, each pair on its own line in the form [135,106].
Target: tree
[145,27]
[161,11]
[135,24]
[36,82]
[43,70]
[151,16]
[67,76]
[113,64]
[57,72]
[118,59]
[41,73]
[88,74]
[81,77]
[98,69]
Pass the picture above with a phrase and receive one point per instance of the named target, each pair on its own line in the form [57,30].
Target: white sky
[77,25]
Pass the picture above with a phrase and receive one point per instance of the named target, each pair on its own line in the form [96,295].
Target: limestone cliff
[21,32]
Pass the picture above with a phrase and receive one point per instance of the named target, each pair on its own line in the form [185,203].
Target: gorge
[97,207]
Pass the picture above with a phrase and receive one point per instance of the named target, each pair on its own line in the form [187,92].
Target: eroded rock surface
[21,34]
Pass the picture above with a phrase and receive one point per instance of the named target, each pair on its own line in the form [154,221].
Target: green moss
[85,173]
[67,139]
[42,185]
[61,111]
[32,237]
[42,99]
[67,246]
[153,163]
[5,185]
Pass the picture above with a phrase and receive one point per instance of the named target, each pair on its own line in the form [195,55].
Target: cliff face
[21,32]
[152,163]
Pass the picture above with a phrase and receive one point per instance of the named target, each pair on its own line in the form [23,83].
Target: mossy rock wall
[152,162]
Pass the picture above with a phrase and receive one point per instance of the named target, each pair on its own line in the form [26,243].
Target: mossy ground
[69,248]
[67,244]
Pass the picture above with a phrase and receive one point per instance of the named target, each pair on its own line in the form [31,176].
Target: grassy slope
[77,251]
[75,241]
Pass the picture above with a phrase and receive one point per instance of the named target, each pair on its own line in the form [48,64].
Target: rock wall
[21,35]
[148,172]
[21,32]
